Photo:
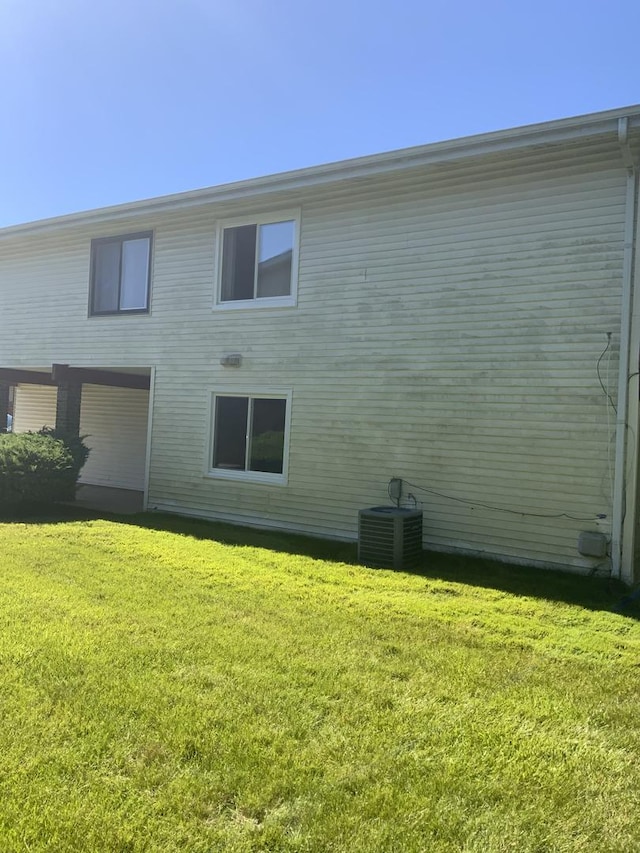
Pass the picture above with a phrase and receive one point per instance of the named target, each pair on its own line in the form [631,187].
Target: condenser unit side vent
[389,537]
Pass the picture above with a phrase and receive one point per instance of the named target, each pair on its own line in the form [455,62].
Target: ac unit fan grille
[389,537]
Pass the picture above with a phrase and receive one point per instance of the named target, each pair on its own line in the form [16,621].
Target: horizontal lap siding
[450,338]
[448,326]
[114,421]
[34,408]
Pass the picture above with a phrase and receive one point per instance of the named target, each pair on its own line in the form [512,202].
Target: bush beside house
[38,469]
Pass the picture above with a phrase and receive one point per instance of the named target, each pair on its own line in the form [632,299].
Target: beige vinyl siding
[448,325]
[114,421]
[34,408]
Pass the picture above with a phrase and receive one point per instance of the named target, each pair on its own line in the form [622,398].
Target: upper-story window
[258,261]
[120,274]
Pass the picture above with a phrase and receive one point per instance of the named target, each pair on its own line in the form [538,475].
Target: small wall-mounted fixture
[592,544]
[394,490]
[233,359]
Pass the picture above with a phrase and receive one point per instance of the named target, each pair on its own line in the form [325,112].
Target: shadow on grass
[592,593]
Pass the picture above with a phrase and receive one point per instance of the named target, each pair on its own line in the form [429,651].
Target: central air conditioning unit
[389,537]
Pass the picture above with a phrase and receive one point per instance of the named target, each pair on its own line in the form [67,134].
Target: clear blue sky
[107,101]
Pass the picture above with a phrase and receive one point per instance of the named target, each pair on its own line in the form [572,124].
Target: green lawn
[163,691]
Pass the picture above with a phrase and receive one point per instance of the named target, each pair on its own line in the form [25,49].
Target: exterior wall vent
[232,359]
[389,537]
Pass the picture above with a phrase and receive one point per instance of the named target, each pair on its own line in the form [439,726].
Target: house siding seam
[447,331]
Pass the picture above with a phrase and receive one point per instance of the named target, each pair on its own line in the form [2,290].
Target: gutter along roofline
[528,136]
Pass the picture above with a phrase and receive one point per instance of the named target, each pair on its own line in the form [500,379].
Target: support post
[4,405]
[68,408]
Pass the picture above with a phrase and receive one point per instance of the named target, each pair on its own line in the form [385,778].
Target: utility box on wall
[592,544]
[389,537]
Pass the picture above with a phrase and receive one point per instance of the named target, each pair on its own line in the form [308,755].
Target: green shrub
[36,469]
[75,445]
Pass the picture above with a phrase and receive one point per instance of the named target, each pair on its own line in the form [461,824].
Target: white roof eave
[548,133]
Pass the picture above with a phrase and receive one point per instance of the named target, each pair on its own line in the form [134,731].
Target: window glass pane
[274,259]
[230,441]
[267,435]
[106,276]
[238,263]
[135,274]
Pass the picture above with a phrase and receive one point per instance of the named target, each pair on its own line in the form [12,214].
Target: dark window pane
[135,274]
[238,263]
[106,277]
[274,259]
[229,449]
[267,435]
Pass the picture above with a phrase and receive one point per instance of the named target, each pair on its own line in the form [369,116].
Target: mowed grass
[162,691]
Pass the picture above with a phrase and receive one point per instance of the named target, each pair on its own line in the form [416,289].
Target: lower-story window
[250,436]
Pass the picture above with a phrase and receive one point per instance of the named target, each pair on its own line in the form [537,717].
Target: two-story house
[462,315]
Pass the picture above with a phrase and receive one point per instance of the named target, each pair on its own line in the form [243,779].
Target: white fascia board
[528,136]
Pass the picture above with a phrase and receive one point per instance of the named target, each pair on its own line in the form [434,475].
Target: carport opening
[110,406]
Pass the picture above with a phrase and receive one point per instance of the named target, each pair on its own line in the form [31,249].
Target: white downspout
[625,338]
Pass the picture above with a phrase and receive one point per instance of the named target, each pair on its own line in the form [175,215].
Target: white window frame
[288,301]
[249,476]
